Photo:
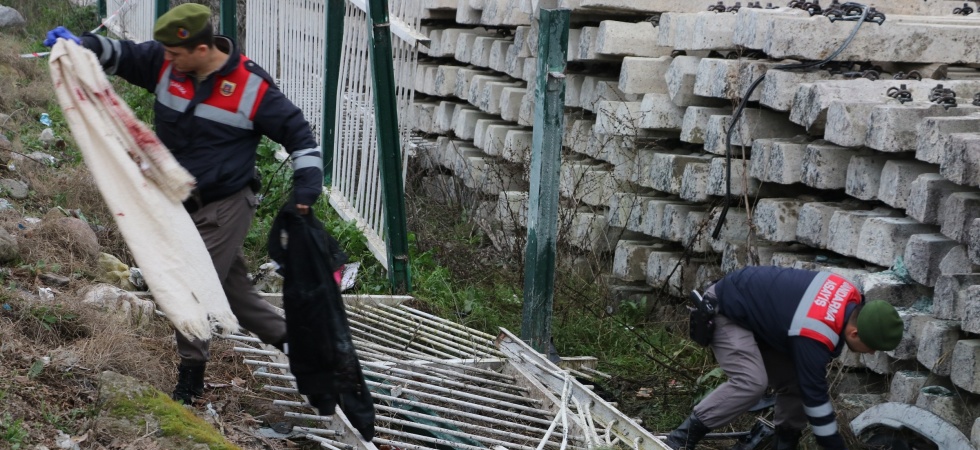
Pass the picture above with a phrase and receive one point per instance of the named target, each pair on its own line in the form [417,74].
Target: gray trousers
[750,369]
[223,226]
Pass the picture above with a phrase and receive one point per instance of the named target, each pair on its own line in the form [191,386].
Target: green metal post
[386,121]
[542,213]
[103,8]
[331,82]
[229,22]
[162,7]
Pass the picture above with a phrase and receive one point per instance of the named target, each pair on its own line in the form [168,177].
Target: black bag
[702,319]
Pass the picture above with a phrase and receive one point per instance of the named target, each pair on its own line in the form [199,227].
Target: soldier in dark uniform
[213,106]
[780,327]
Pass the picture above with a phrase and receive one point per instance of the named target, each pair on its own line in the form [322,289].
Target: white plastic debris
[209,410]
[349,276]
[66,442]
[136,277]
[45,293]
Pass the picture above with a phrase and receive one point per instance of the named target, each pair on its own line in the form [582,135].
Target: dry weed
[23,81]
[49,323]
[62,245]
[73,189]
[145,354]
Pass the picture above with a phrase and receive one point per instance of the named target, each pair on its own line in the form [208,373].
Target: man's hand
[303,209]
[60,32]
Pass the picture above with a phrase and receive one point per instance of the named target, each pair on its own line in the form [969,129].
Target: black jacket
[321,350]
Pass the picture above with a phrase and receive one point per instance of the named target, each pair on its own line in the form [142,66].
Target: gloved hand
[60,32]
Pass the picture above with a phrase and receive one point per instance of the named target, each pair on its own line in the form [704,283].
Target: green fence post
[542,212]
[229,22]
[162,7]
[386,122]
[334,36]
[103,8]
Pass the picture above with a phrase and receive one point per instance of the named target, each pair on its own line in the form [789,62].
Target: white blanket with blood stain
[143,186]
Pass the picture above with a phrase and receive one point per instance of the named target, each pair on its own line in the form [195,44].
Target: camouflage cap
[181,23]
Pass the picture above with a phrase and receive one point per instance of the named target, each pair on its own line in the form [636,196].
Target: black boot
[787,438]
[687,436]
[190,382]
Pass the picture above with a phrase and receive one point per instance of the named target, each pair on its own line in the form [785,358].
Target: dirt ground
[51,352]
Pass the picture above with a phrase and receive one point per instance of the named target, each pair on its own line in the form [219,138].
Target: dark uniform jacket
[321,349]
[214,126]
[800,313]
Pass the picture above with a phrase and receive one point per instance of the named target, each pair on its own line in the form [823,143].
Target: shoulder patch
[251,66]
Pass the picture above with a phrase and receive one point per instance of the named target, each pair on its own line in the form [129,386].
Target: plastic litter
[350,276]
[46,119]
[67,442]
[278,432]
[136,277]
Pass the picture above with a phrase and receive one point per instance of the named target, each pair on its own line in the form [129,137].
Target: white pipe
[326,443]
[440,328]
[451,373]
[448,322]
[450,383]
[457,423]
[464,394]
[462,403]
[441,409]
[416,335]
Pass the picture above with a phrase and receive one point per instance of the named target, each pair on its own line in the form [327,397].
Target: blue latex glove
[60,32]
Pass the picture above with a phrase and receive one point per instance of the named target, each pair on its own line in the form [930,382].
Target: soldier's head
[873,326]
[187,36]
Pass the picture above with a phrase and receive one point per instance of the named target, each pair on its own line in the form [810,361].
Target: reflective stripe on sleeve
[117,49]
[829,429]
[106,49]
[110,47]
[307,158]
[823,410]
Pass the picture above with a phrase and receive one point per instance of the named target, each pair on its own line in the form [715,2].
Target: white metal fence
[131,19]
[356,186]
[287,38]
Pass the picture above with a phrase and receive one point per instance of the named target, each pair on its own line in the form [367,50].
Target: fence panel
[356,187]
[262,39]
[301,47]
[356,184]
[131,19]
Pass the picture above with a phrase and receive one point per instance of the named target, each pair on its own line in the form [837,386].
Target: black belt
[194,202]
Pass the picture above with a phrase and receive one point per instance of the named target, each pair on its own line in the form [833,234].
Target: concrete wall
[839,175]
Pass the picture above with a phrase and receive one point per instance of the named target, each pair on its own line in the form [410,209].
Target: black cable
[745,99]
